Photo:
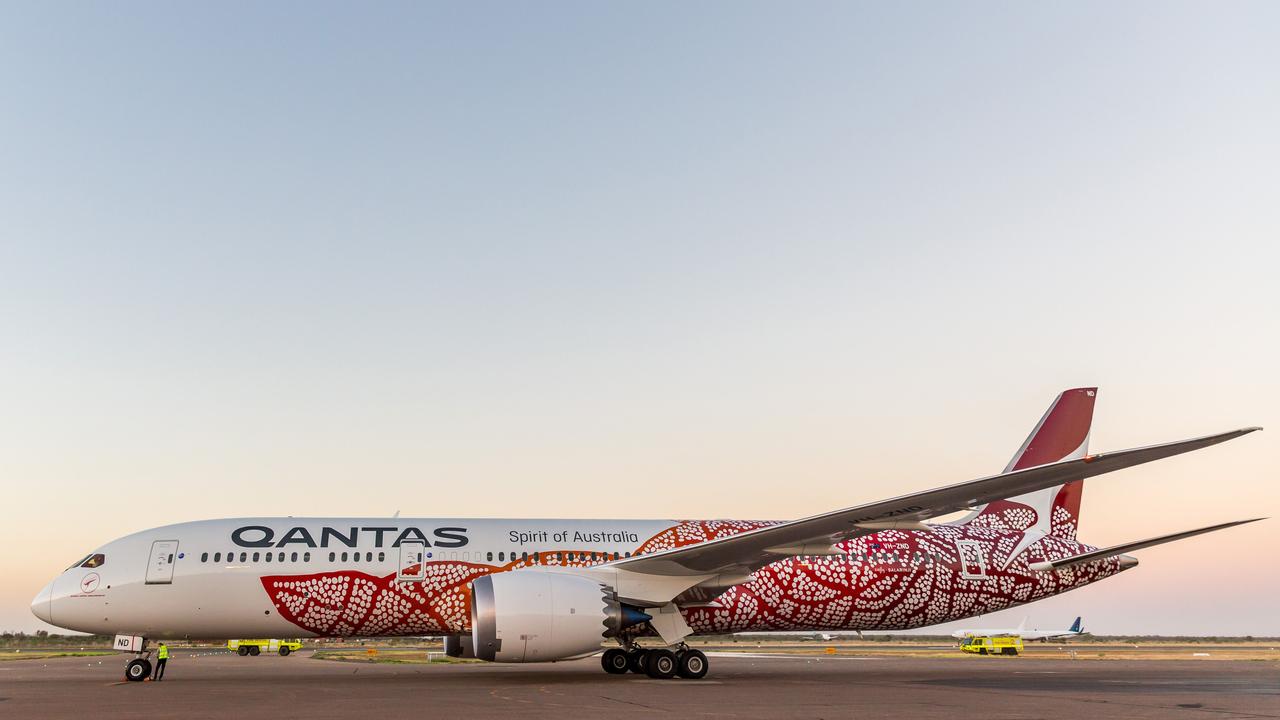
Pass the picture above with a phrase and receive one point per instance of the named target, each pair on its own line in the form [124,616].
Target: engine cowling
[540,616]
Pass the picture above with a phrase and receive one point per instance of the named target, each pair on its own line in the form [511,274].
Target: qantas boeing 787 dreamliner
[547,590]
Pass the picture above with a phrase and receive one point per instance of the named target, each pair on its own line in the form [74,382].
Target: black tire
[691,664]
[254,650]
[635,661]
[284,651]
[660,664]
[137,670]
[615,661]
[242,651]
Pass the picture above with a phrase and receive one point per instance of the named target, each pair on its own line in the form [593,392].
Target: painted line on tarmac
[769,656]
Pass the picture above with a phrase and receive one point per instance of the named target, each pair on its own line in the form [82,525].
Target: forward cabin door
[412,561]
[160,567]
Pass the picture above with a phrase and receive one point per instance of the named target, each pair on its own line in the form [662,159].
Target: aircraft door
[973,564]
[160,566]
[413,564]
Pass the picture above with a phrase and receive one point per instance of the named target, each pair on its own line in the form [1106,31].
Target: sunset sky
[742,260]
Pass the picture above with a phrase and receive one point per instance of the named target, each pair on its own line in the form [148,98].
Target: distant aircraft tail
[1075,626]
[1062,434]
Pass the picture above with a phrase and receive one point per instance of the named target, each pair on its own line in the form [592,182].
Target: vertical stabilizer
[1061,434]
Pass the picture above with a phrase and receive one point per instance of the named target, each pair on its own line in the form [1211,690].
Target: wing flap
[749,551]
[1129,547]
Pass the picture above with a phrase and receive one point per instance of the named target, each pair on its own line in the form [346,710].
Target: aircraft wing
[749,551]
[1127,547]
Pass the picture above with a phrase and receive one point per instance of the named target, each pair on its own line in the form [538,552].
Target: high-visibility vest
[164,652]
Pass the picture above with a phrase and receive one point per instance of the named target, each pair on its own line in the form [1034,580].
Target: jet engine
[540,616]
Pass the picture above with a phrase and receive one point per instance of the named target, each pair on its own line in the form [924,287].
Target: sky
[632,260]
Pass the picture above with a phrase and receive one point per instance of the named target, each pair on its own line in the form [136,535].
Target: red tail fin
[1062,434]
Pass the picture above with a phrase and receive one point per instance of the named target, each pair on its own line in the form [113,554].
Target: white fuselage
[347,577]
[194,595]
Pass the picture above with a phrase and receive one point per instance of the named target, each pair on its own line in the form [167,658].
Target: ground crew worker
[162,657]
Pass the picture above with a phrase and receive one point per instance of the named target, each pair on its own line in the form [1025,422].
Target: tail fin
[1062,434]
[1075,626]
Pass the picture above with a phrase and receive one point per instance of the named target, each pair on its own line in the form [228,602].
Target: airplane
[527,590]
[1022,632]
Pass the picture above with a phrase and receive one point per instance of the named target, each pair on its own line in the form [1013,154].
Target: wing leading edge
[752,550]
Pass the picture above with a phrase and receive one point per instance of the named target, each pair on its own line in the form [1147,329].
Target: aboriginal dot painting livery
[524,590]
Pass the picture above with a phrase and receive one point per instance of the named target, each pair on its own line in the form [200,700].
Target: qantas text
[260,536]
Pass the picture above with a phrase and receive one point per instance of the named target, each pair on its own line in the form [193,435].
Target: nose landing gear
[137,670]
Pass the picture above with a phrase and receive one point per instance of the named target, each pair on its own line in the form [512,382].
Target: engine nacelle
[540,616]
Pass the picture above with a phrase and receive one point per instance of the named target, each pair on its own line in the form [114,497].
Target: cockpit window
[94,561]
[79,562]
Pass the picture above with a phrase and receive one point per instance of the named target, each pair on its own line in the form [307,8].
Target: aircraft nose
[42,606]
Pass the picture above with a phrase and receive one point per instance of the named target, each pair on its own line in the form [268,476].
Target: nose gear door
[160,566]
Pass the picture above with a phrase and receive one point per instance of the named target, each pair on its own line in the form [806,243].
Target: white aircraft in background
[524,590]
[1021,631]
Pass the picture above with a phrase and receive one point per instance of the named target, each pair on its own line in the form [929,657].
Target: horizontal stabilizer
[1121,549]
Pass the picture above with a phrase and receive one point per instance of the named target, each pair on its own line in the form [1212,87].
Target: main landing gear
[657,663]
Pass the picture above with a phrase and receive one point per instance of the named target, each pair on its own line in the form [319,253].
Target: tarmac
[217,684]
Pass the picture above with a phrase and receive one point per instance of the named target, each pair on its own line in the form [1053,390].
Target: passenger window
[593,557]
[293,557]
[204,557]
[382,556]
[628,554]
[332,557]
[267,558]
[488,557]
[255,556]
[217,557]
[559,557]
[244,557]
[500,556]
[368,557]
[344,557]
[306,556]
[94,561]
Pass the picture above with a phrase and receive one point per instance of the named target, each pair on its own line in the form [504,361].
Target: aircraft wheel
[635,661]
[660,664]
[254,650]
[692,664]
[614,661]
[284,651]
[242,651]
[137,670]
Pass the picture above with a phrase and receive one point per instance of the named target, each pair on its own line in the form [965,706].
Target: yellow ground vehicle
[256,646]
[984,645]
